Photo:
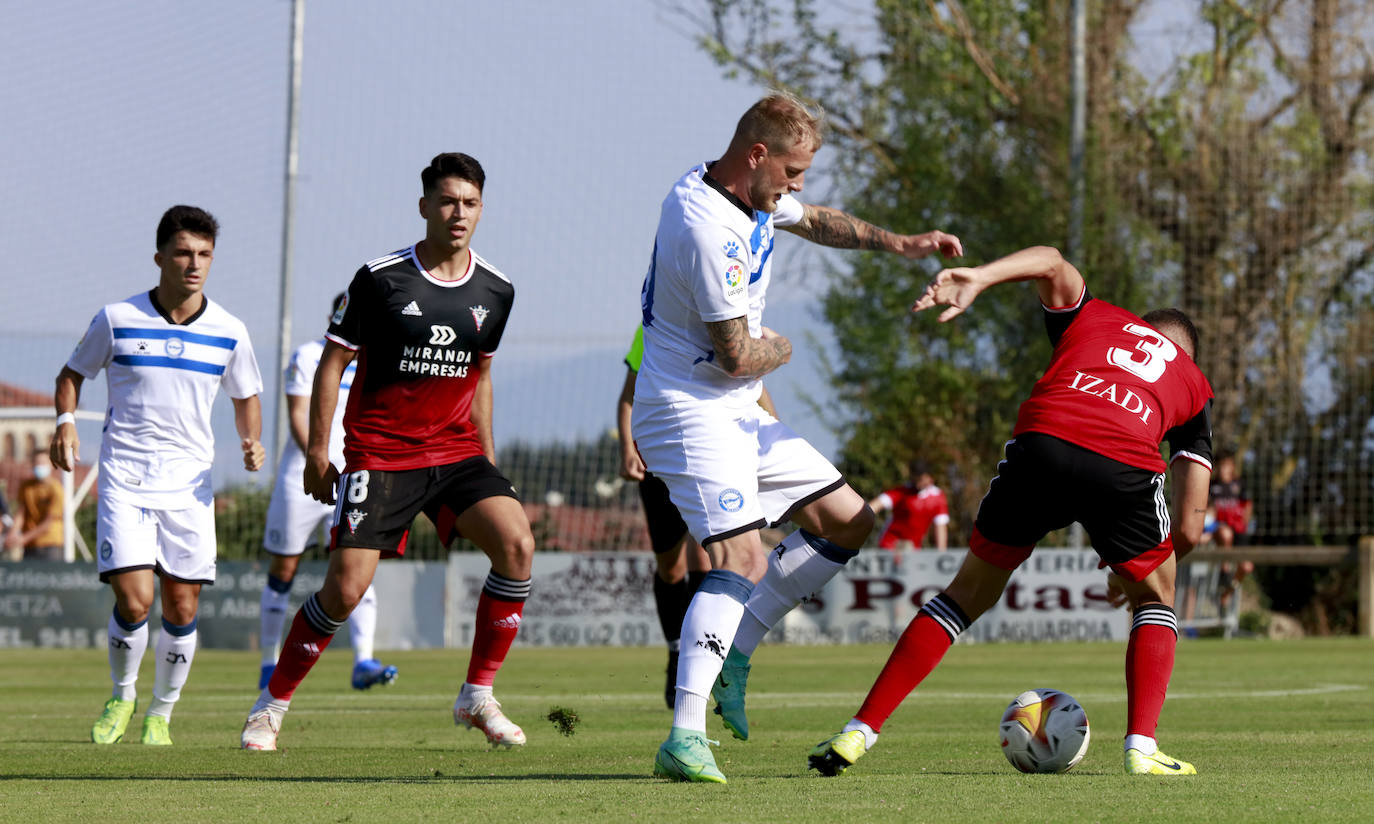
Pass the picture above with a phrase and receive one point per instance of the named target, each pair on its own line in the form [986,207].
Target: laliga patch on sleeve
[339,313]
[734,279]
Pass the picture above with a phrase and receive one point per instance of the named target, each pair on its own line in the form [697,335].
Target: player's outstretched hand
[955,288]
[919,246]
[320,479]
[254,455]
[65,447]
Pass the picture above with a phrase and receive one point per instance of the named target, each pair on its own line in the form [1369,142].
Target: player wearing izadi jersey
[423,323]
[1086,449]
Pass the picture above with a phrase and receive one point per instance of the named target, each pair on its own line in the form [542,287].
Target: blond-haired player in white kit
[730,467]
[294,520]
[166,354]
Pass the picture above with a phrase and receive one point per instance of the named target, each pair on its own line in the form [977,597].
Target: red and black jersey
[418,341]
[1118,387]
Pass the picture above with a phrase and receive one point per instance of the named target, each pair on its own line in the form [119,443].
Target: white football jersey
[158,447]
[711,262]
[300,381]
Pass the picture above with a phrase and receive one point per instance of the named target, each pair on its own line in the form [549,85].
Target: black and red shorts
[1046,484]
[376,506]
[666,526]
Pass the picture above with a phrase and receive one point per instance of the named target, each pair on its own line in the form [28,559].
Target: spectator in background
[1230,503]
[6,523]
[915,507]
[38,514]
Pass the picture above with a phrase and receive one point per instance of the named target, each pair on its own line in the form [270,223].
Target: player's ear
[757,154]
[424,207]
[157,258]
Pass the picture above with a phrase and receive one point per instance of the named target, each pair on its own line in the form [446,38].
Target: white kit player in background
[731,467]
[166,353]
[294,520]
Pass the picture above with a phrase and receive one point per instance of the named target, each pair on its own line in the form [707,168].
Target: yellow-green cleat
[156,731]
[728,690]
[838,753]
[110,726]
[686,756]
[1138,763]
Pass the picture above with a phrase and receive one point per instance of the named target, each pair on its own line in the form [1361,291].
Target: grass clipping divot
[564,720]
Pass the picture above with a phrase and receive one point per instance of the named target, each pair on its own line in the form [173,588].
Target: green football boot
[838,753]
[686,756]
[156,732]
[110,726]
[728,690]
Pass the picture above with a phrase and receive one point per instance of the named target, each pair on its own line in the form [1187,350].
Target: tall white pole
[288,224]
[1078,128]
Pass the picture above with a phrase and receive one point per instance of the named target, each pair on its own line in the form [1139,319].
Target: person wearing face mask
[38,513]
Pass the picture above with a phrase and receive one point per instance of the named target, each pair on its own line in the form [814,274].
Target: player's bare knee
[514,556]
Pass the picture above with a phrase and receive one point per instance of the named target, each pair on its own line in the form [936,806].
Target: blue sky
[582,114]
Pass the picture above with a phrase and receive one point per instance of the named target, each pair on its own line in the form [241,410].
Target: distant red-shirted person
[1085,449]
[916,507]
[423,323]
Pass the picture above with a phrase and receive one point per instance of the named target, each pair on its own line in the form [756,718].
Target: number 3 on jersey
[1152,353]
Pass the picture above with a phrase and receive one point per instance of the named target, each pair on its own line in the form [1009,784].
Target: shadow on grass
[326,779]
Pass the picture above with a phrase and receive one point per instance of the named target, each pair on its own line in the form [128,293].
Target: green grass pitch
[1278,731]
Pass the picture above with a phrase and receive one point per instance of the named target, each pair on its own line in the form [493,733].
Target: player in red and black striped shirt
[423,324]
[1086,449]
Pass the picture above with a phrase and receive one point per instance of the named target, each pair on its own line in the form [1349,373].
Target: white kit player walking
[730,467]
[166,353]
[294,520]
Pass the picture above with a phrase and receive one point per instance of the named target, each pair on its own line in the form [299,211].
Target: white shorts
[730,470]
[293,517]
[177,543]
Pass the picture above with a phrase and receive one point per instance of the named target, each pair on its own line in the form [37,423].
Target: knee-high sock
[272,614]
[671,601]
[311,631]
[708,629]
[498,620]
[924,642]
[127,645]
[1149,665]
[176,648]
[362,625]
[802,564]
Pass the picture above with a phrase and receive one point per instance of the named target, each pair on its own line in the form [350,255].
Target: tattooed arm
[841,230]
[745,357]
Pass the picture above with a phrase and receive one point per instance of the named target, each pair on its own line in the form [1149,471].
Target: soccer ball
[1044,731]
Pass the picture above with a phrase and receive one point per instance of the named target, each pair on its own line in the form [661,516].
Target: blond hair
[780,121]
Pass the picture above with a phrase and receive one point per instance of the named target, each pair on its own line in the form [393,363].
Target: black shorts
[1046,483]
[666,526]
[376,507]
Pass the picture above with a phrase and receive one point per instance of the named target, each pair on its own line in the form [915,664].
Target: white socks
[272,613]
[1144,743]
[176,647]
[362,625]
[801,565]
[127,645]
[708,629]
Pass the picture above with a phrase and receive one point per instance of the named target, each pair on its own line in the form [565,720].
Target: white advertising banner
[1056,595]
[606,599]
[577,599]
